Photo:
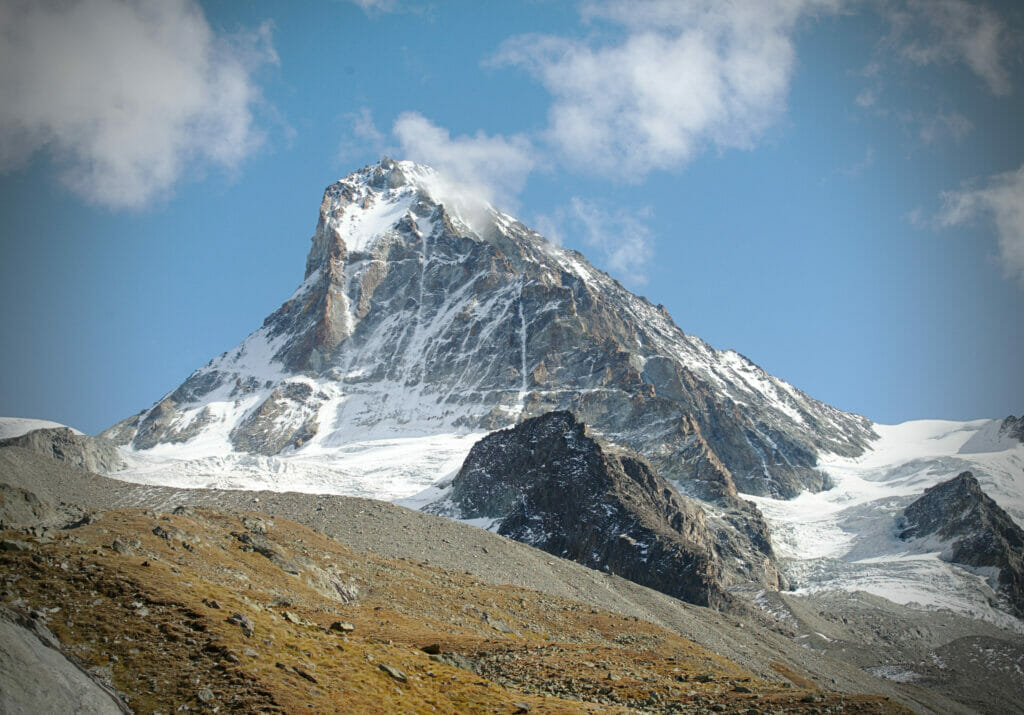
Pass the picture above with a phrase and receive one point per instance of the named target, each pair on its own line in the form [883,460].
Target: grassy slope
[145,598]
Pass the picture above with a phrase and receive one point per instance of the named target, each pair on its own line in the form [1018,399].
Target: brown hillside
[161,606]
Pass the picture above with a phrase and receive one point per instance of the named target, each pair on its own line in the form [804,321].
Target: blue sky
[834,189]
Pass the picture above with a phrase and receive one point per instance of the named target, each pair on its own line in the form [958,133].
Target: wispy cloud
[621,239]
[945,125]
[372,6]
[361,138]
[865,163]
[1002,199]
[936,32]
[125,94]
[677,78]
[364,128]
[493,168]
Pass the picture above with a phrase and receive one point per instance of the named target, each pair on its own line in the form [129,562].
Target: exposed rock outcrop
[36,677]
[973,530]
[93,454]
[1013,427]
[549,484]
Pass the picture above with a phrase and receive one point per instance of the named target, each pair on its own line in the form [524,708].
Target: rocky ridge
[1013,427]
[971,529]
[94,454]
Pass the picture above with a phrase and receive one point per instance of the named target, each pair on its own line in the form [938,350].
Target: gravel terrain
[396,532]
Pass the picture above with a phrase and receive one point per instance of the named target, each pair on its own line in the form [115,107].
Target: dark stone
[393,672]
[242,621]
[1013,427]
[976,531]
[554,487]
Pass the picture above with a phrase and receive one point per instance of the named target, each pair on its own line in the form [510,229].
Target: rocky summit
[971,529]
[547,483]
[423,312]
[1013,427]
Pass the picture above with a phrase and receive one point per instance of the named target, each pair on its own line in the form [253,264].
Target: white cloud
[125,94]
[685,76]
[490,168]
[620,238]
[928,32]
[1002,199]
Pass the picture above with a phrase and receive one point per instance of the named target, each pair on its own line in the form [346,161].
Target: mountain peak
[415,318]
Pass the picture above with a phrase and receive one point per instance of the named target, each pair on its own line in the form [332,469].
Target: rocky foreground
[203,610]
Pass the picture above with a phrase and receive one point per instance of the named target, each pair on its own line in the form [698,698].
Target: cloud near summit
[125,95]
[491,168]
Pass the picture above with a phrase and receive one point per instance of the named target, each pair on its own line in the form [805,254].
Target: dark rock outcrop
[1013,427]
[93,454]
[553,486]
[285,419]
[974,530]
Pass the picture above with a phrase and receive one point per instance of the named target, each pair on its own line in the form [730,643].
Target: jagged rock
[14,545]
[265,547]
[92,454]
[242,621]
[288,418]
[394,673]
[972,530]
[162,424]
[1013,427]
[552,486]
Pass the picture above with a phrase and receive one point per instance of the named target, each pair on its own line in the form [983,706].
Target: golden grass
[152,614]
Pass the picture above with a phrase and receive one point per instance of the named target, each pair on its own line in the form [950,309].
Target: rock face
[90,453]
[1013,427]
[973,530]
[550,485]
[36,677]
[423,313]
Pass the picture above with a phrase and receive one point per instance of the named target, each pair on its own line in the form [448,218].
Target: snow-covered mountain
[424,314]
